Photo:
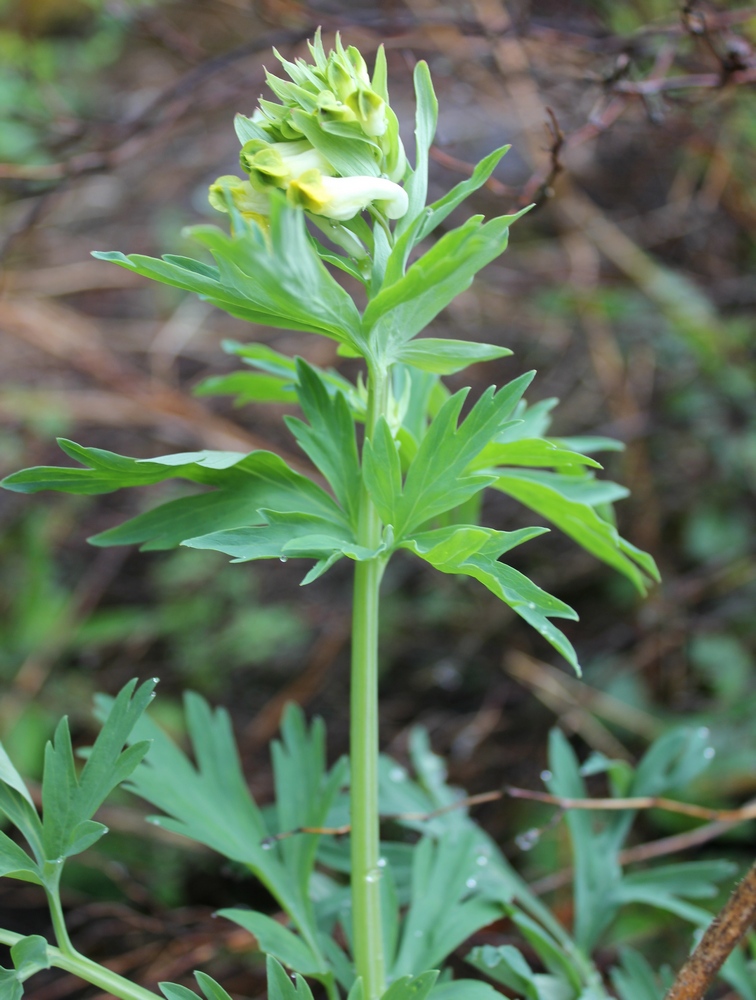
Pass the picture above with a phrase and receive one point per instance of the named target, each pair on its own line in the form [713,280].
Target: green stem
[59,923]
[89,971]
[365,840]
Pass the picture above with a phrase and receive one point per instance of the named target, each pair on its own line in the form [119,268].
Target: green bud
[331,109]
[275,164]
[250,203]
[358,65]
[340,79]
[370,109]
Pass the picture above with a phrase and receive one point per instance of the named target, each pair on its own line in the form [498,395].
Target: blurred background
[629,288]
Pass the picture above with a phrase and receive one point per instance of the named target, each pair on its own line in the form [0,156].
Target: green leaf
[532,452]
[558,962]
[412,987]
[455,543]
[16,802]
[346,148]
[675,759]
[597,870]
[211,803]
[445,907]
[277,280]
[506,965]
[445,357]
[265,359]
[356,992]
[305,789]
[426,117]
[30,955]
[10,986]
[248,387]
[70,800]
[280,986]
[211,989]
[276,940]
[16,863]
[243,485]
[404,308]
[464,989]
[329,440]
[634,979]
[246,129]
[440,209]
[382,470]
[172,991]
[297,533]
[567,501]
[435,482]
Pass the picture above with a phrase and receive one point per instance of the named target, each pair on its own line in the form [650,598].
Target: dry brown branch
[636,802]
[416,817]
[721,937]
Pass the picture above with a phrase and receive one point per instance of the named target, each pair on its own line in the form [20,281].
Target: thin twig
[637,802]
[340,831]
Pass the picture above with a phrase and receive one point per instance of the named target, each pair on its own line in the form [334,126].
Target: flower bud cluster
[332,143]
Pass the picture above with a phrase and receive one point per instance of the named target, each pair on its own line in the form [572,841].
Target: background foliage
[629,290]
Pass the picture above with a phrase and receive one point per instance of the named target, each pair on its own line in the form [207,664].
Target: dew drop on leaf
[527,841]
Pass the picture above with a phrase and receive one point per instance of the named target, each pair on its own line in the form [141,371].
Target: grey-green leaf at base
[276,940]
[464,989]
[280,986]
[412,987]
[30,955]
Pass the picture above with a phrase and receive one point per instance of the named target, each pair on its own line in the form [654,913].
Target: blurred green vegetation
[655,345]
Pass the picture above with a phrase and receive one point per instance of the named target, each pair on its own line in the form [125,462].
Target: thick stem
[89,971]
[365,839]
[721,937]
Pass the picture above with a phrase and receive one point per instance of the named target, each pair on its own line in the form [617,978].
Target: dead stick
[721,937]
[340,831]
[638,802]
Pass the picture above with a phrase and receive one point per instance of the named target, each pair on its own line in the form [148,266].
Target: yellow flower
[341,198]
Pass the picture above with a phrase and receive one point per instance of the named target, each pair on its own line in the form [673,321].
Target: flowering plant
[329,187]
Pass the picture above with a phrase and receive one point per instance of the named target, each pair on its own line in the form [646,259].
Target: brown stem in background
[721,937]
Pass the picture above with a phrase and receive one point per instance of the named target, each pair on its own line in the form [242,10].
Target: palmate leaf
[328,438]
[69,800]
[296,535]
[464,989]
[445,907]
[281,987]
[600,885]
[508,966]
[568,501]
[401,310]
[243,484]
[276,279]
[210,802]
[276,940]
[471,551]
[436,480]
[17,805]
[265,359]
